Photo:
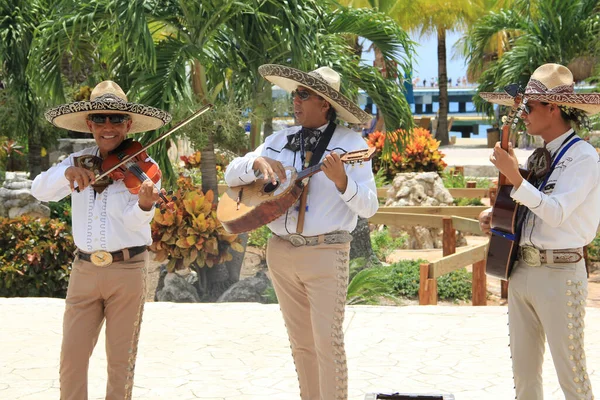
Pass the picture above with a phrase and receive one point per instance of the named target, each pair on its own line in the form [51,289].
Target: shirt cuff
[351,190]
[527,194]
[141,213]
[249,175]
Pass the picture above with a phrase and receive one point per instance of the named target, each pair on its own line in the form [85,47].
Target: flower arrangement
[191,235]
[421,152]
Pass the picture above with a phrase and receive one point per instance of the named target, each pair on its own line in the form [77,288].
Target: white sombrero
[324,81]
[551,83]
[107,98]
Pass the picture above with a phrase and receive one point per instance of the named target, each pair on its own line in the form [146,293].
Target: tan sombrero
[551,83]
[324,81]
[107,98]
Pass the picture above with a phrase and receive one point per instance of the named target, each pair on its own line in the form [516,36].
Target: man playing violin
[111,229]
[548,283]
[308,255]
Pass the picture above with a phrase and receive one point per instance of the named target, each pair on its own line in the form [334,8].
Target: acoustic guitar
[504,242]
[247,207]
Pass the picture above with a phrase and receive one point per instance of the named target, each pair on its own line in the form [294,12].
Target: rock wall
[16,198]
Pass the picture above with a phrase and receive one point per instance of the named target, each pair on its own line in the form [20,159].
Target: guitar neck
[310,171]
[504,140]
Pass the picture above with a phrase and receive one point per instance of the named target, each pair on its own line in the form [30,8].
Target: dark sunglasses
[112,118]
[303,94]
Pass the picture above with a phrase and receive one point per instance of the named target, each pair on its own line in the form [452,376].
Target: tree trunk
[442,127]
[361,243]
[208,168]
[379,63]
[268,126]
[198,77]
[35,153]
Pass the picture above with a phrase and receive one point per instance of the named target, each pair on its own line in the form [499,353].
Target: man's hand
[333,167]
[148,195]
[271,169]
[507,164]
[485,218]
[82,176]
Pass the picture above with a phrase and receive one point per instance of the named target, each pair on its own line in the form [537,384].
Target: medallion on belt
[101,258]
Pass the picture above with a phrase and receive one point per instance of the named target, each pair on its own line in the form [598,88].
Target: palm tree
[430,17]
[537,32]
[19,20]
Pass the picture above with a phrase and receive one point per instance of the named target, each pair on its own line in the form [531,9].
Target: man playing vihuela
[548,283]
[111,229]
[308,253]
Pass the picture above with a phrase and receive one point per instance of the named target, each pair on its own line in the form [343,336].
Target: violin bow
[158,139]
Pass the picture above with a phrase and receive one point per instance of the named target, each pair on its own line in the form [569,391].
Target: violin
[130,163]
[135,170]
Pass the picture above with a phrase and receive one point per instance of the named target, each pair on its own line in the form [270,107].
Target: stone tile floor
[241,352]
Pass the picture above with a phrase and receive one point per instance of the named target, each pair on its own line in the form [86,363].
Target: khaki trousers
[548,301]
[311,284]
[115,293]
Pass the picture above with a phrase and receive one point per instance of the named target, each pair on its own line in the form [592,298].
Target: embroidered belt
[535,257]
[327,238]
[103,258]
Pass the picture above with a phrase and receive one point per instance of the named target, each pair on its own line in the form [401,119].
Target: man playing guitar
[548,284]
[308,254]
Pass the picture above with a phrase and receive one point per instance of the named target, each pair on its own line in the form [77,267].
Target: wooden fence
[450,261]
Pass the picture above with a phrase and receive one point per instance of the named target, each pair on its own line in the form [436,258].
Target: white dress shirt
[566,213]
[110,221]
[328,209]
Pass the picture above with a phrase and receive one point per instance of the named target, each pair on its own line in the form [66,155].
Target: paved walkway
[241,352]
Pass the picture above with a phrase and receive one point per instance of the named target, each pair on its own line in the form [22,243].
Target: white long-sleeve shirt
[566,212]
[110,221]
[328,209]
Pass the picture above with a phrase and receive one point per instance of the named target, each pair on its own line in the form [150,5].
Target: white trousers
[548,302]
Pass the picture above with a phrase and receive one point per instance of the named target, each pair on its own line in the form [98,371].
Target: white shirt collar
[555,144]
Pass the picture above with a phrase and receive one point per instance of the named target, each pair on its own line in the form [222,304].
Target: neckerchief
[94,164]
[310,137]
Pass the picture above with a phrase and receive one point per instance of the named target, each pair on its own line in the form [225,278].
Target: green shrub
[404,279]
[593,249]
[465,201]
[459,181]
[61,210]
[259,237]
[36,257]
[383,243]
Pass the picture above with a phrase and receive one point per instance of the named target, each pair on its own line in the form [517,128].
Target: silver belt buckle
[531,256]
[101,258]
[297,240]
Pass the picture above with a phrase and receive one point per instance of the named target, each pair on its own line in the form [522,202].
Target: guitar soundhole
[270,187]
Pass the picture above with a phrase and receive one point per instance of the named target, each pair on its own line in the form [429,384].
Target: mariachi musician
[308,254]
[111,229]
[548,284]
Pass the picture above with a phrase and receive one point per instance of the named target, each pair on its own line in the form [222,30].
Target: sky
[426,65]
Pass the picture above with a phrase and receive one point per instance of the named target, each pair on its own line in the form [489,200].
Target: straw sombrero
[324,81]
[551,83]
[107,98]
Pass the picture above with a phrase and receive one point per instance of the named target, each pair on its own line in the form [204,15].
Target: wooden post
[479,284]
[427,287]
[493,191]
[503,289]
[448,237]
[471,184]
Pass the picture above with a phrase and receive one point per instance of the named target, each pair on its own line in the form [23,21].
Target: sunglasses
[114,119]
[303,94]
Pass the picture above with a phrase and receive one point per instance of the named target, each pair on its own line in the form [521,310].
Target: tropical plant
[421,152]
[536,32]
[36,257]
[191,235]
[430,17]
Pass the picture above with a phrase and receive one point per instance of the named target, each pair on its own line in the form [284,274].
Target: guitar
[247,207]
[504,242]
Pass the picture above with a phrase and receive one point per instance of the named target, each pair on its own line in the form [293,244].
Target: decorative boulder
[177,287]
[247,290]
[16,198]
[420,189]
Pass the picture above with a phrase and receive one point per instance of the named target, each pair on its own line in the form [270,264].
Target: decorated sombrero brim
[588,102]
[323,81]
[550,83]
[107,98]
